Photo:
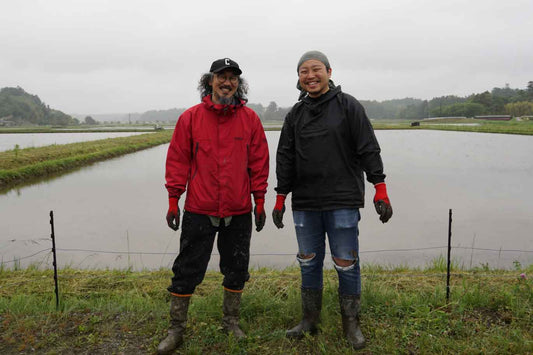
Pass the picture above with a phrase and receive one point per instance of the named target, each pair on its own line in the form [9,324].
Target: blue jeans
[341,226]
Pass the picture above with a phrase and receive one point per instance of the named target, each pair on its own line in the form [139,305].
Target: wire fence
[442,275]
[53,251]
[129,252]
[39,240]
[17,260]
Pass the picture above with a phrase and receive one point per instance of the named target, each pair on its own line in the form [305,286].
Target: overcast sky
[123,56]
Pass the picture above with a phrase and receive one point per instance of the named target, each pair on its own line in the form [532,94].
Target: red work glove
[382,203]
[279,209]
[173,214]
[259,213]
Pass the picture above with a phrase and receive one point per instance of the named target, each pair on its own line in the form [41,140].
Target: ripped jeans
[341,226]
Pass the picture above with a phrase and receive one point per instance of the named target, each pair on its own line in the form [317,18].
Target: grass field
[78,129]
[404,311]
[463,125]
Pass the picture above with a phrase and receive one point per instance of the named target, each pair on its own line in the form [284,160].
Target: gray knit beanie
[314,55]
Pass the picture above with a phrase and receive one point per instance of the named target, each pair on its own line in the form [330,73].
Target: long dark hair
[206,89]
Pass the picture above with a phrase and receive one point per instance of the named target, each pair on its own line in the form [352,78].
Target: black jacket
[325,145]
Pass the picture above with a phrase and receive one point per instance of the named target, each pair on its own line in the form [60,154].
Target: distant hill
[170,115]
[109,117]
[499,101]
[152,116]
[18,107]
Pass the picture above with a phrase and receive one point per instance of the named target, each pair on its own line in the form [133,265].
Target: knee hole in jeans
[344,264]
[304,259]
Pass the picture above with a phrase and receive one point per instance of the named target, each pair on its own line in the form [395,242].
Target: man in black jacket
[326,144]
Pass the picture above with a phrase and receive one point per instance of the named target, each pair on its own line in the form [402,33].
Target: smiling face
[314,77]
[224,84]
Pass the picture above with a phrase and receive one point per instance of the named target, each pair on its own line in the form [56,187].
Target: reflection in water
[112,214]
[38,180]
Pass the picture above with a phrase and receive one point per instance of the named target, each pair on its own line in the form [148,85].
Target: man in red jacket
[219,154]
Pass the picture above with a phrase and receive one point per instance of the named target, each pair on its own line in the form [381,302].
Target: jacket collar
[330,94]
[222,109]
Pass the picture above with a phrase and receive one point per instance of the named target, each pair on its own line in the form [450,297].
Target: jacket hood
[222,109]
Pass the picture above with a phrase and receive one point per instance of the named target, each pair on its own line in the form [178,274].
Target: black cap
[225,63]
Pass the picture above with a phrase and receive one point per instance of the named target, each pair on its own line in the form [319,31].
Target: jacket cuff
[176,193]
[376,180]
[281,191]
[258,195]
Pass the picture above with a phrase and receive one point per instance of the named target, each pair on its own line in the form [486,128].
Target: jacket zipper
[194,157]
[247,161]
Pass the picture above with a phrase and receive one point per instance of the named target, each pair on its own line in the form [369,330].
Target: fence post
[55,258]
[449,254]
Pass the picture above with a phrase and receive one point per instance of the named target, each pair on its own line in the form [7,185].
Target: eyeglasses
[223,78]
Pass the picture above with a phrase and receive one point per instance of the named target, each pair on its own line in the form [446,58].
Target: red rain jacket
[219,154]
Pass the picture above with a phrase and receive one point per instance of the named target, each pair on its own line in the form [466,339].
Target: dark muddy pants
[196,243]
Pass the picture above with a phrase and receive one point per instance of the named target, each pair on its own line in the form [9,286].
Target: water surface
[119,206]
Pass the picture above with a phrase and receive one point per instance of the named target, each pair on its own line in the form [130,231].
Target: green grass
[483,126]
[507,127]
[403,311]
[83,128]
[25,165]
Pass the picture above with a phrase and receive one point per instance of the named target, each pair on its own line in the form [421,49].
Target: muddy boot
[231,308]
[311,307]
[178,321]
[350,310]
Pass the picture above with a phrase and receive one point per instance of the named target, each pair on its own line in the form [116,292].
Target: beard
[226,100]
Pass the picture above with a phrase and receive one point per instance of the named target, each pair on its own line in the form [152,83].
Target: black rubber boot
[350,310]
[311,307]
[178,322]
[231,309]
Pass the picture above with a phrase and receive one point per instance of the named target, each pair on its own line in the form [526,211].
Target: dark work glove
[279,209]
[173,214]
[382,203]
[259,213]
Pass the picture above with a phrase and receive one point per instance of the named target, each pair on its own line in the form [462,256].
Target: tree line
[499,101]
[17,107]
